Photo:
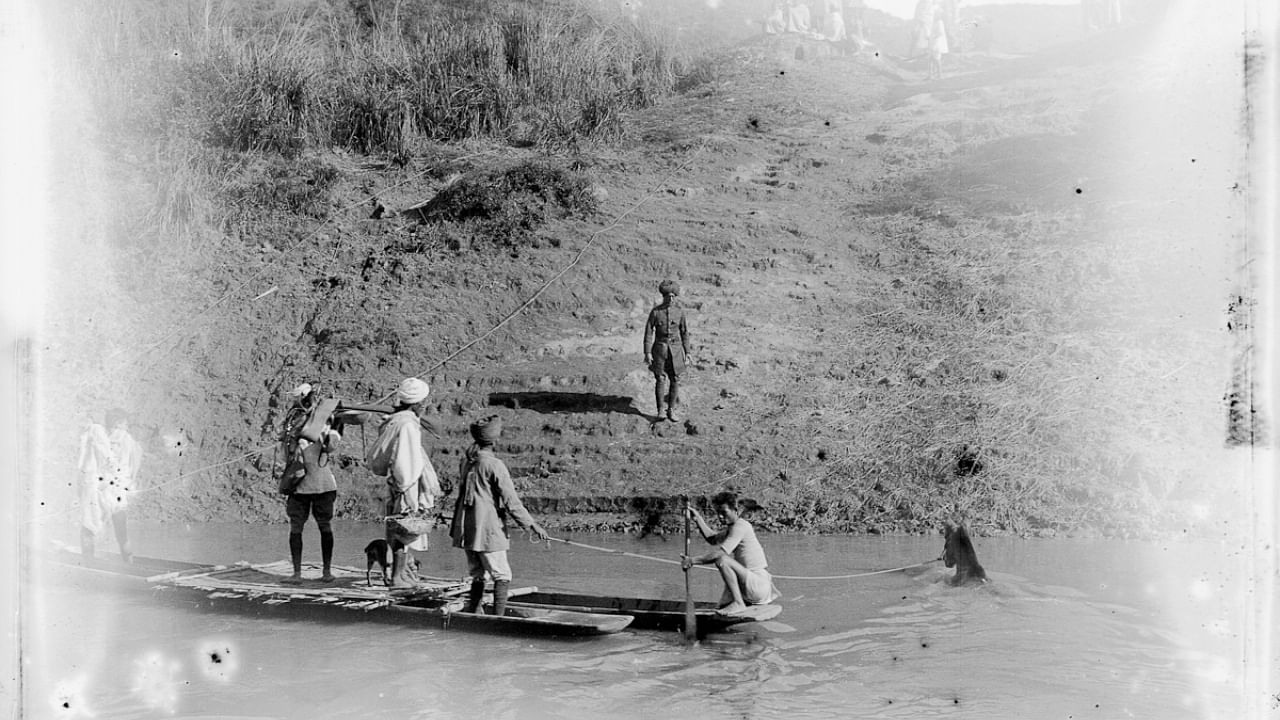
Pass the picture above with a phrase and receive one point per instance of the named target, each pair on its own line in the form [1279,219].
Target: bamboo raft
[260,590]
[266,583]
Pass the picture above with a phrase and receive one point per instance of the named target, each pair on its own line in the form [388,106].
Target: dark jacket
[666,334]
[486,498]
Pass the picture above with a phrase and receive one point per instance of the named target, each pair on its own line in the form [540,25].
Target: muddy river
[1067,629]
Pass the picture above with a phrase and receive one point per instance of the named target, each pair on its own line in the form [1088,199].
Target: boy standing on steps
[666,344]
[486,498]
[398,455]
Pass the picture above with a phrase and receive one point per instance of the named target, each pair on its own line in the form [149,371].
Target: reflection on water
[1067,629]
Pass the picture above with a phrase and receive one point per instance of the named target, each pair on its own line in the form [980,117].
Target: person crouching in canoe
[737,555]
[398,455]
[486,497]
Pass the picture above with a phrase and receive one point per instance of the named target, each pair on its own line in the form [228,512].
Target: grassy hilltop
[910,302]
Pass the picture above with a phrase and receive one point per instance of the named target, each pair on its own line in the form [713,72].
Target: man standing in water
[666,345]
[737,555]
[486,497]
[398,455]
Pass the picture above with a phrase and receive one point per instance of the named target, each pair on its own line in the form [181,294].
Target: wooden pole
[690,617]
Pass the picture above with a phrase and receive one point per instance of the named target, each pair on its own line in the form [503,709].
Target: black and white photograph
[639,359]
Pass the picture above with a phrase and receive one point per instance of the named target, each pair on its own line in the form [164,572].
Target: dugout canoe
[646,613]
[261,590]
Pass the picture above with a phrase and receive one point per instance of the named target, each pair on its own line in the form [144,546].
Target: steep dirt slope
[909,302]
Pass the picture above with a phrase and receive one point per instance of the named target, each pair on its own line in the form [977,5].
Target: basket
[410,524]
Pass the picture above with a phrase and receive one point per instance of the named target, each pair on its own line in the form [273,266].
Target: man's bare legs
[734,575]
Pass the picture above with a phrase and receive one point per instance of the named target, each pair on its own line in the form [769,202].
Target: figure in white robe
[833,23]
[776,22]
[108,465]
[398,454]
[798,19]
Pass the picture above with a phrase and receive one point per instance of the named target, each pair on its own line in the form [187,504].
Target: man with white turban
[398,454]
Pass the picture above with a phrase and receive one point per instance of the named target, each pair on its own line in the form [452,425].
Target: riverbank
[980,298]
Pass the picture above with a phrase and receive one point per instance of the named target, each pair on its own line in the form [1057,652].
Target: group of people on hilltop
[487,499]
[933,27]
[831,20]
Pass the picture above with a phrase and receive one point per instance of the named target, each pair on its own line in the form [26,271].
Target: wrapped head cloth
[412,391]
[669,287]
[486,431]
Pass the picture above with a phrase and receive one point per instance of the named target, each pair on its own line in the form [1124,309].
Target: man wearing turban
[666,344]
[486,498]
[398,454]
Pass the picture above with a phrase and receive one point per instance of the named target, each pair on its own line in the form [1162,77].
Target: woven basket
[410,524]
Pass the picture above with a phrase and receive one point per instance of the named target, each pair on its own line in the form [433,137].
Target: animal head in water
[958,552]
[952,535]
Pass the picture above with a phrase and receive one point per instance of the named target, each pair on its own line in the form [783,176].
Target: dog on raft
[958,553]
[377,553]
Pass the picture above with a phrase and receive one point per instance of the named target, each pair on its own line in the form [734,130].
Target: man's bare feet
[294,579]
[733,608]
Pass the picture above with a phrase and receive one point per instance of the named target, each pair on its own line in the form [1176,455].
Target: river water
[1067,629]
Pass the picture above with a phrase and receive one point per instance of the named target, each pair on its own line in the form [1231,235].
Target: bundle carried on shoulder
[294,468]
[302,424]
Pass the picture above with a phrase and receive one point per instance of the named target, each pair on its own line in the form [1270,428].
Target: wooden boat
[261,590]
[647,614]
[220,587]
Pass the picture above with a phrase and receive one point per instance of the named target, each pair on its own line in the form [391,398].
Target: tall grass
[370,77]
[196,82]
